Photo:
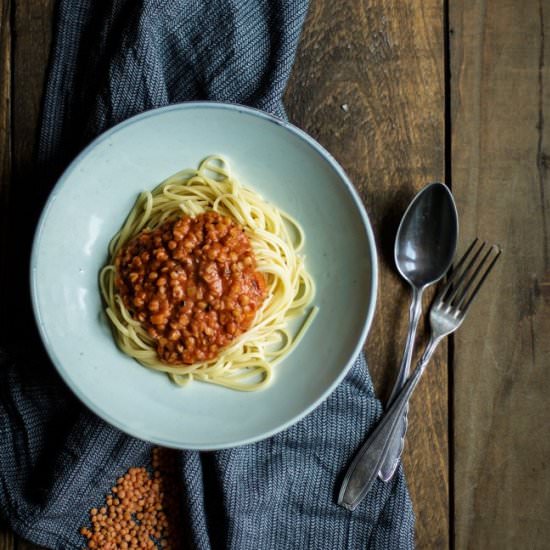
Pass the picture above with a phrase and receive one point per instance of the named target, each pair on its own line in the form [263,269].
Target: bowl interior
[88,206]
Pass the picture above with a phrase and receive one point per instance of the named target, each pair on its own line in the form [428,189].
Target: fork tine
[457,274]
[464,276]
[472,272]
[498,251]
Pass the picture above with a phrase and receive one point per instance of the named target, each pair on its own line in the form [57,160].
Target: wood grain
[31,32]
[27,50]
[369,85]
[6,537]
[33,29]
[500,62]
[5,133]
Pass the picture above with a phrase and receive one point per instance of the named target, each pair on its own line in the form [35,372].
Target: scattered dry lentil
[142,510]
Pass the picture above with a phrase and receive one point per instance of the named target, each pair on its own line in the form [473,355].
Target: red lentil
[192,283]
[146,512]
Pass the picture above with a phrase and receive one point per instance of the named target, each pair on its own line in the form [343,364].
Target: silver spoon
[424,249]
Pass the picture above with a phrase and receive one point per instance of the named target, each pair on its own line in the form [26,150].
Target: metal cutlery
[425,246]
[446,314]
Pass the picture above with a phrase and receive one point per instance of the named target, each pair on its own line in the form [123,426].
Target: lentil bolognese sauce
[203,279]
[192,283]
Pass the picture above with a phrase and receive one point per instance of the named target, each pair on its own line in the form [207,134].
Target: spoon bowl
[427,236]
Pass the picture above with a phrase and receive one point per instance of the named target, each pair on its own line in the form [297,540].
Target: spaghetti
[276,240]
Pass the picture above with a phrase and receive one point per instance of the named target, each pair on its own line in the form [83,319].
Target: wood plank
[31,43]
[369,85]
[500,64]
[5,135]
[32,29]
[31,34]
[6,537]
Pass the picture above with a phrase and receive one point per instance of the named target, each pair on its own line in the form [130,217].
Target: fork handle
[365,466]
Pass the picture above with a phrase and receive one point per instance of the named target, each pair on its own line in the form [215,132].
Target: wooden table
[404,93]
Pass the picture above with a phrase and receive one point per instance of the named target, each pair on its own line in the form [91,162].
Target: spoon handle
[395,446]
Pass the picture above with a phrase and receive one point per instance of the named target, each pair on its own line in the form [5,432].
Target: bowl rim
[62,181]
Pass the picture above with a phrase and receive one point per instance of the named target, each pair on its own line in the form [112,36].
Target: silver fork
[446,315]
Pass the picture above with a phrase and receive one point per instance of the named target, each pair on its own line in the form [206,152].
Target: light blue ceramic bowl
[88,205]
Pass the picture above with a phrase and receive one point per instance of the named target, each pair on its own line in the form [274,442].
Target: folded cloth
[111,60]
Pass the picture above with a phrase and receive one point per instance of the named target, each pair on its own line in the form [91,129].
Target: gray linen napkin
[57,460]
